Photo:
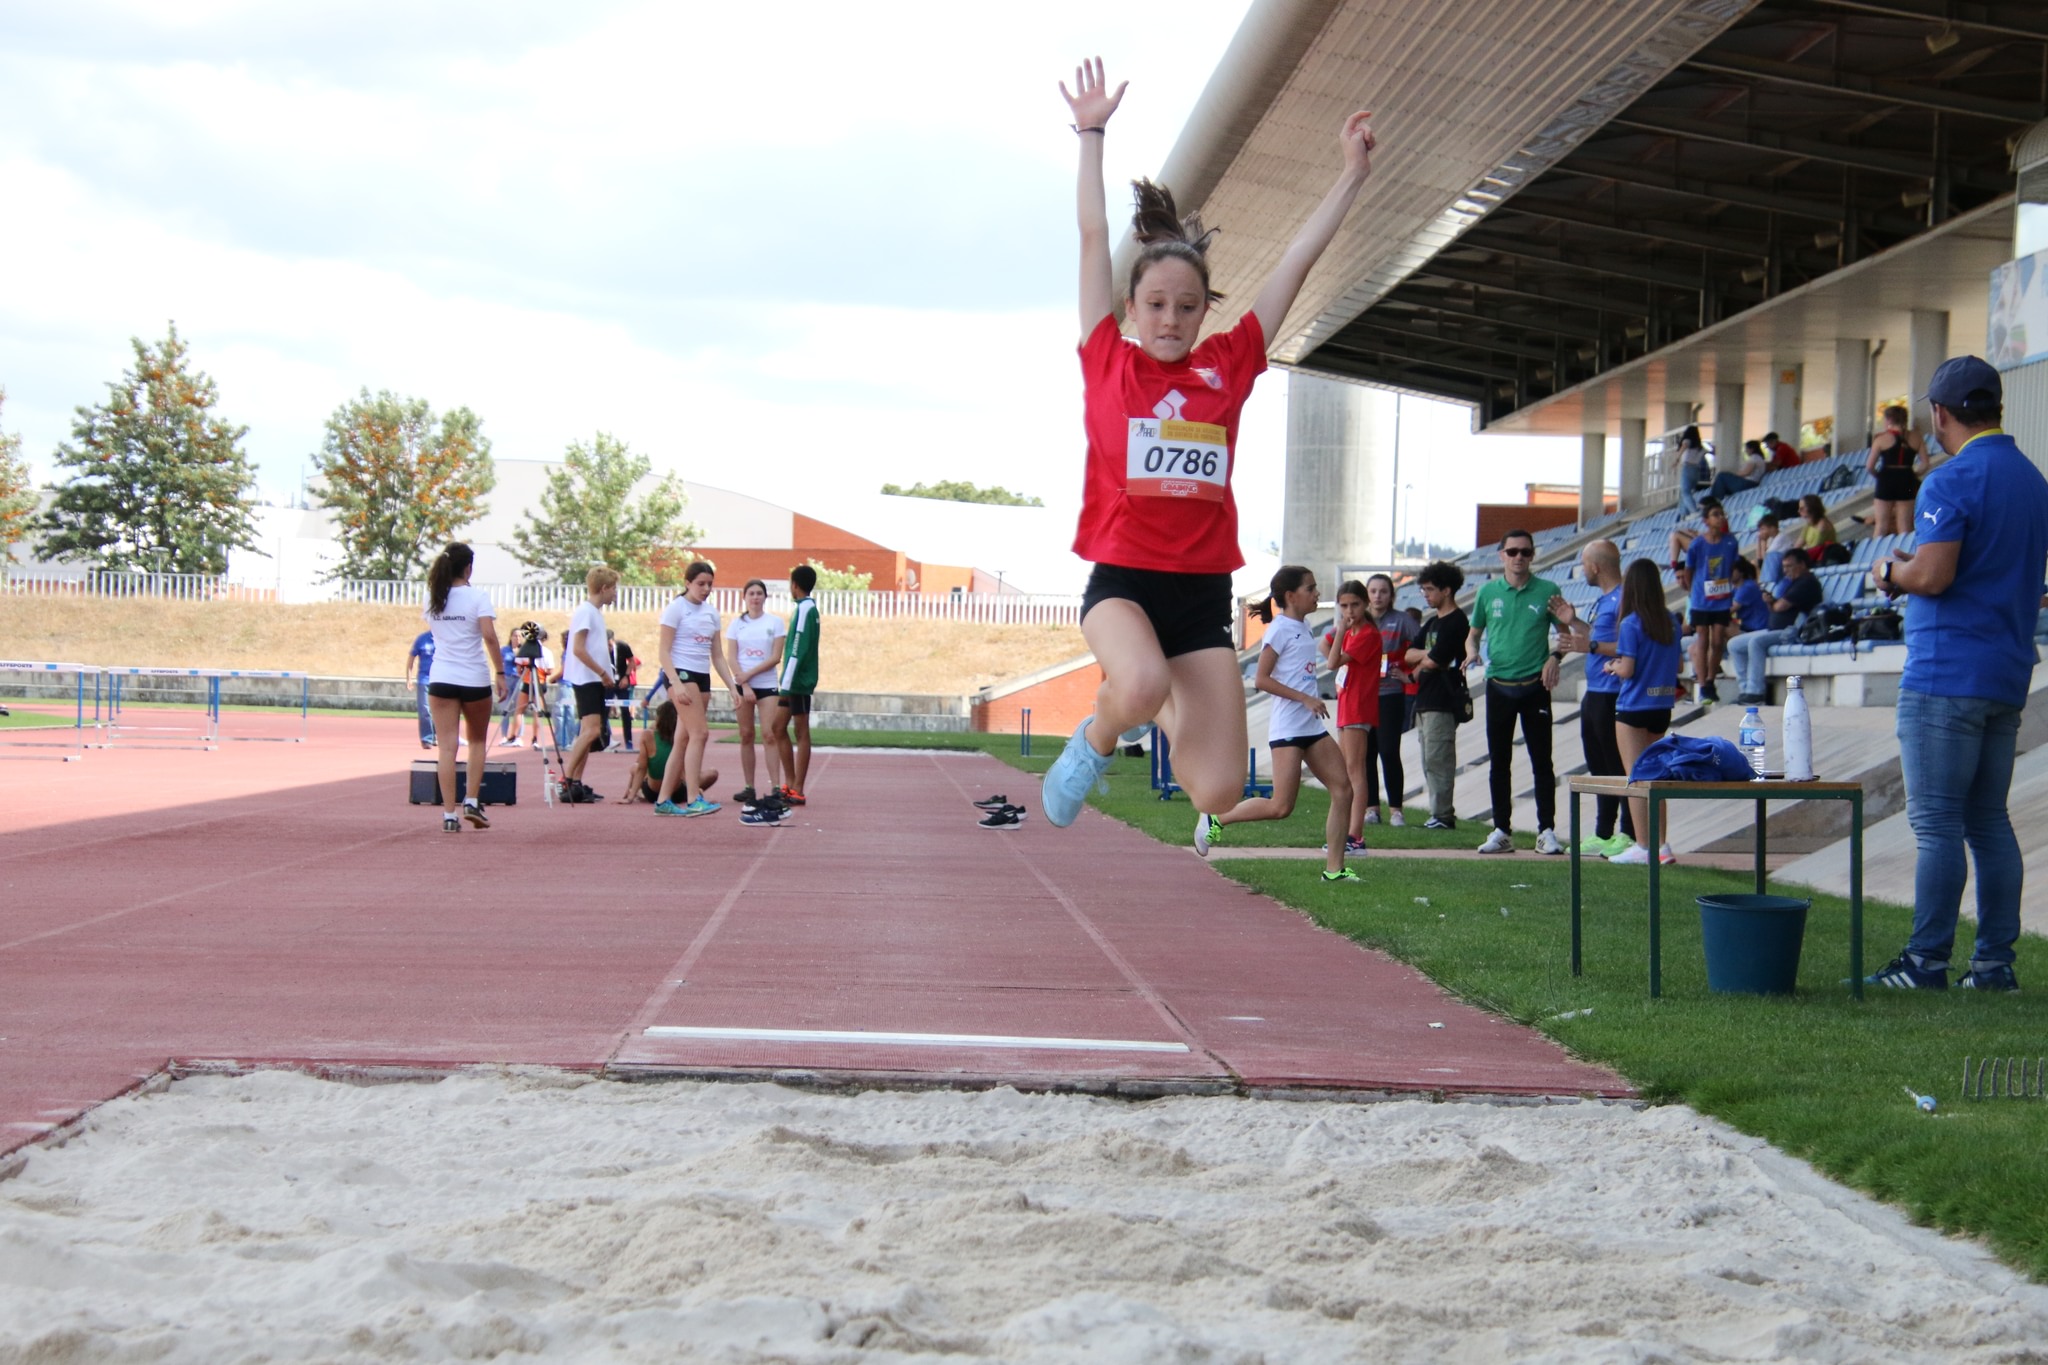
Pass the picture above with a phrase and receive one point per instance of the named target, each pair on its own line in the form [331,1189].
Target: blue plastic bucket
[1752,943]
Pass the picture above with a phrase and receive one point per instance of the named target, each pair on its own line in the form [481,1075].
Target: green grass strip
[1819,1075]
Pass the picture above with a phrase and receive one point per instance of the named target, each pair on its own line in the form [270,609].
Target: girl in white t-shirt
[689,655]
[754,649]
[467,677]
[1295,729]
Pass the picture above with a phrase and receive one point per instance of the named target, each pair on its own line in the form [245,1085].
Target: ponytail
[1289,577]
[1165,234]
[451,564]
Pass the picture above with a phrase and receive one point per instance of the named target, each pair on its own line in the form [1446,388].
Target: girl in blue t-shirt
[1646,659]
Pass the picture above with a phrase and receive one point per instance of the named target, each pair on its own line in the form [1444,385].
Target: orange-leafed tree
[399,482]
[17,497]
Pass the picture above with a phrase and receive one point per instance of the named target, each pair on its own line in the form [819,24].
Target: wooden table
[1658,792]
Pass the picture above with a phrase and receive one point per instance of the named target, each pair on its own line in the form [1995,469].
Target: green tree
[159,483]
[17,498]
[588,516]
[399,482]
[959,490]
[841,580]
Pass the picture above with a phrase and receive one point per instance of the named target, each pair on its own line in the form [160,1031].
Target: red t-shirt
[1783,456]
[1358,699]
[1162,441]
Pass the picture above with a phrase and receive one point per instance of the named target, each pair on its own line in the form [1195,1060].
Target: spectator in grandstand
[1646,660]
[1819,532]
[1710,569]
[1692,469]
[1782,455]
[1897,458]
[1600,562]
[1981,536]
[422,655]
[1515,613]
[1797,594]
[1752,609]
[1398,632]
[1295,718]
[1771,543]
[1162,538]
[1437,662]
[1748,473]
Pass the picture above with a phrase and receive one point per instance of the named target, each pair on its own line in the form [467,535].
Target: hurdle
[113,708]
[22,674]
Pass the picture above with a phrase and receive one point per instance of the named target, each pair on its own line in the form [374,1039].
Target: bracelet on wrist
[1080,130]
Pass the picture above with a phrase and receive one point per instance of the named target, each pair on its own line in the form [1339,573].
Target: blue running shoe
[701,807]
[1990,977]
[1907,973]
[667,808]
[1070,778]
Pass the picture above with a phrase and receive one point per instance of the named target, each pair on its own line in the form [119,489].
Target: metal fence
[982,608]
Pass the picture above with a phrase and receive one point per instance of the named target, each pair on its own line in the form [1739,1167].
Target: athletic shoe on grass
[1665,855]
[701,807]
[1073,774]
[1547,842]
[1909,973]
[473,811]
[1593,846]
[1397,818]
[1500,841]
[1354,845]
[1632,856]
[1372,817]
[451,824]
[1990,977]
[668,808]
[1208,829]
[1436,822]
[1342,874]
[1007,818]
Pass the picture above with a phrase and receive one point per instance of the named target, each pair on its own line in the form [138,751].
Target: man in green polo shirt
[1514,614]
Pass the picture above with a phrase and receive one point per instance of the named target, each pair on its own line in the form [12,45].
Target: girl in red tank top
[1157,516]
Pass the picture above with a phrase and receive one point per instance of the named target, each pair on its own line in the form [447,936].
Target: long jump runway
[282,904]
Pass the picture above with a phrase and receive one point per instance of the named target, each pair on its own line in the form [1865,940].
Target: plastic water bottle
[1749,737]
[1798,734]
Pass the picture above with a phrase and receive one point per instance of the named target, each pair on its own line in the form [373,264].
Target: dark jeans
[1530,704]
[1956,754]
[419,693]
[1603,758]
[1383,743]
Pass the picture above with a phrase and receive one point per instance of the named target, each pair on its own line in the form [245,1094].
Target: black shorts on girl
[457,692]
[1188,611]
[1656,722]
[764,693]
[1296,742]
[702,680]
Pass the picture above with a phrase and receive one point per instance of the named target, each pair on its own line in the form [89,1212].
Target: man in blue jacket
[1981,537]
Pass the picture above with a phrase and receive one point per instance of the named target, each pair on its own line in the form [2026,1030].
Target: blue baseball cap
[1965,381]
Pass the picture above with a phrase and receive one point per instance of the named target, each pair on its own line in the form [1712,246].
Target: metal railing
[174,587]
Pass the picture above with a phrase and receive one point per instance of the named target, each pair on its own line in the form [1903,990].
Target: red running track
[280,903]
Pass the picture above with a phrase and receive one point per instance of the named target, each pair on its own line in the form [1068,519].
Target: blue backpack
[1684,758]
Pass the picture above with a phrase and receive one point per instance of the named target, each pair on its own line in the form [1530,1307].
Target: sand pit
[546,1216]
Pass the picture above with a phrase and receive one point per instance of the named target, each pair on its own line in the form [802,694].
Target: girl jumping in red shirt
[1158,519]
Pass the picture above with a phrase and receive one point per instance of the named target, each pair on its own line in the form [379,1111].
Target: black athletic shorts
[796,703]
[702,680]
[458,692]
[1296,742]
[1703,617]
[1656,722]
[1188,611]
[764,694]
[590,698]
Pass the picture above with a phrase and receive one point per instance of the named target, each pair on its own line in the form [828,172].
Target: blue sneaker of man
[1070,778]
[1989,977]
[1908,973]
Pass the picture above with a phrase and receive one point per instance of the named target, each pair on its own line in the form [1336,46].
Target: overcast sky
[795,249]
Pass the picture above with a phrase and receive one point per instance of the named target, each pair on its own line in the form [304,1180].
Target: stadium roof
[1569,190]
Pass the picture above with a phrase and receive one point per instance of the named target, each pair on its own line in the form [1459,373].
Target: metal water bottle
[1749,737]
[1798,734]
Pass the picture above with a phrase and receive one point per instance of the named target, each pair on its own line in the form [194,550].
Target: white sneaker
[1500,841]
[1396,819]
[1203,827]
[1372,817]
[1634,855]
[1546,842]
[1665,856]
[513,744]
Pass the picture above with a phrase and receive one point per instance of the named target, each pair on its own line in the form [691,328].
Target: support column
[1677,415]
[1852,395]
[1592,475]
[1339,500]
[1926,348]
[1788,389]
[1727,428]
[1634,437]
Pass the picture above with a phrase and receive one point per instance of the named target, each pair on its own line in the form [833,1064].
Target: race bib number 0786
[1173,459]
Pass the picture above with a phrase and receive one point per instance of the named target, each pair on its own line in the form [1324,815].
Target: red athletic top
[1161,442]
[1358,700]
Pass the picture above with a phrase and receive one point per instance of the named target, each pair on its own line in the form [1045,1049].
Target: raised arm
[1276,296]
[1093,104]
